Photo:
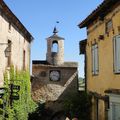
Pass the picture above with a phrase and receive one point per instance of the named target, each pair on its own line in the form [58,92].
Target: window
[9,25]
[114,111]
[116,43]
[23,59]
[9,57]
[55,46]
[108,25]
[95,66]
[43,74]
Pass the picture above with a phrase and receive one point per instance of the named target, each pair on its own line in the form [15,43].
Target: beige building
[14,42]
[102,59]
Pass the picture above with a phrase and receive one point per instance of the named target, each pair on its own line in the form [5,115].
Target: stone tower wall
[55,58]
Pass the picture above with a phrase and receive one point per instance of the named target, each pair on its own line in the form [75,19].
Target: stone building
[54,79]
[14,42]
[102,59]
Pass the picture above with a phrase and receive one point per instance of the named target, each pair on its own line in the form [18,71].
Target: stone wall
[45,89]
[57,59]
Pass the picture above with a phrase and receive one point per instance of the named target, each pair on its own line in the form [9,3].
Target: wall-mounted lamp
[8,49]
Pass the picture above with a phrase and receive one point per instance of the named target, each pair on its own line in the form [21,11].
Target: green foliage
[17,109]
[38,113]
[78,105]
[41,113]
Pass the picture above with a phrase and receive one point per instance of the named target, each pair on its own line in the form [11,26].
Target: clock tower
[55,57]
[54,79]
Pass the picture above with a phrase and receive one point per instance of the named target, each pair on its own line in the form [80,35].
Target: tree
[78,105]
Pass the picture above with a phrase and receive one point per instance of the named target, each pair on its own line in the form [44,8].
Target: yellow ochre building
[102,59]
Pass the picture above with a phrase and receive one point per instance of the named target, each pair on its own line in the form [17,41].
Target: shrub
[78,105]
[17,109]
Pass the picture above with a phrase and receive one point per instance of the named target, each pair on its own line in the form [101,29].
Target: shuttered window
[117,54]
[95,65]
[115,111]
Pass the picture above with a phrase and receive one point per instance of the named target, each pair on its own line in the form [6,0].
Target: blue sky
[40,16]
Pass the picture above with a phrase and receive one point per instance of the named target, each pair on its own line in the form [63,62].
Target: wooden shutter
[117,54]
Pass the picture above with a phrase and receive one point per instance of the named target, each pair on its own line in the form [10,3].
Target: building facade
[14,42]
[102,59]
[54,79]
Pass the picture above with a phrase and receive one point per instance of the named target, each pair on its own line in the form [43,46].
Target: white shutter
[95,66]
[93,60]
[114,45]
[115,111]
[117,54]
[96,59]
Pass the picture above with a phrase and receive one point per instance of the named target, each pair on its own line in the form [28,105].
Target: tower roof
[55,31]
[55,36]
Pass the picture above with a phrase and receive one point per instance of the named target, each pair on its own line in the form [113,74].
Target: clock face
[54,75]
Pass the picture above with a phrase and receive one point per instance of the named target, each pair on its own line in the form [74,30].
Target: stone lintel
[113,91]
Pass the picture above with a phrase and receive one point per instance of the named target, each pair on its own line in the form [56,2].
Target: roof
[82,46]
[100,11]
[14,20]
[55,35]
[40,62]
[45,63]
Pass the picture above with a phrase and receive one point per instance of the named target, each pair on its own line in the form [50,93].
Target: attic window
[109,25]
[9,25]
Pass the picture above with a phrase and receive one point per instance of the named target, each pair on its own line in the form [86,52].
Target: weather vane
[57,22]
[55,29]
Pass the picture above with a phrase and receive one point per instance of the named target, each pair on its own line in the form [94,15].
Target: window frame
[95,59]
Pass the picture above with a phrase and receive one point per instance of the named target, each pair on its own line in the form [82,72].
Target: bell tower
[55,49]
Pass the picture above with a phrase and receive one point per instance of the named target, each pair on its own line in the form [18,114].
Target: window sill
[117,73]
[94,75]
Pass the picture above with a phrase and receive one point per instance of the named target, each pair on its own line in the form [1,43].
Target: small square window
[109,25]
[43,74]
